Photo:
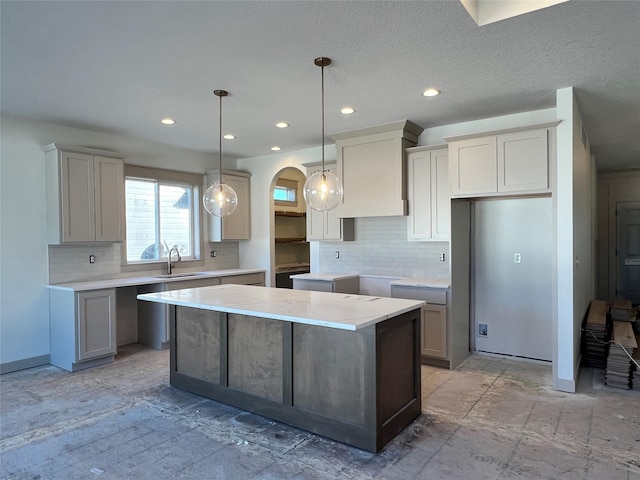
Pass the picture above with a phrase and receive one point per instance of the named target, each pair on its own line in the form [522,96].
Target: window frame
[289,186]
[169,178]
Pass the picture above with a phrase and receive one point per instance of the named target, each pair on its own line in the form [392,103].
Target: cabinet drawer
[246,279]
[429,295]
[315,285]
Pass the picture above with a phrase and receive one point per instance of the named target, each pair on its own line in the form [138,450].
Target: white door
[628,251]
[512,277]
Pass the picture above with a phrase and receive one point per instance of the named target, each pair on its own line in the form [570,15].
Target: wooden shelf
[280,213]
[291,240]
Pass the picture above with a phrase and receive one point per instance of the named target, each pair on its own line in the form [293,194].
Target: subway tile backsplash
[69,263]
[381,248]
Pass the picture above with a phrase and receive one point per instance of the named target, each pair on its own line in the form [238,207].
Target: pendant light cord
[322,76]
[220,145]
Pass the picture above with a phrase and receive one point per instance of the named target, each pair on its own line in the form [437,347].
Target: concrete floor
[491,419]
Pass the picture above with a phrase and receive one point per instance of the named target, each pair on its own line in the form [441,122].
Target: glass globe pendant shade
[220,199]
[323,191]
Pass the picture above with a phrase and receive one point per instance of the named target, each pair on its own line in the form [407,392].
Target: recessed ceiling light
[228,136]
[431,92]
[282,124]
[275,148]
[167,121]
[347,110]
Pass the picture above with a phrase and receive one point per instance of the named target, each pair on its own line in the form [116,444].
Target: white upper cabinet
[236,226]
[501,164]
[85,195]
[428,191]
[473,166]
[371,165]
[327,225]
[523,161]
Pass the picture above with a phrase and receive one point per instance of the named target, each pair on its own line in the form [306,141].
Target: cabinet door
[109,199]
[237,226]
[434,331]
[333,223]
[420,185]
[327,225]
[440,195]
[473,166]
[96,317]
[315,224]
[77,202]
[523,161]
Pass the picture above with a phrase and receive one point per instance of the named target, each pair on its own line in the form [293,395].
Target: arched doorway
[289,233]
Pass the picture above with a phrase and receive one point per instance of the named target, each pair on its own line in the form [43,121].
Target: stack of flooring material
[595,336]
[635,375]
[618,372]
[622,311]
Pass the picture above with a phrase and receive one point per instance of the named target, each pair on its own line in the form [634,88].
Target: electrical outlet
[92,259]
[442,257]
[483,330]
[214,254]
[337,254]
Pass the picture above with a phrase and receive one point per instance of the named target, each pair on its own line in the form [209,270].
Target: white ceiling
[120,67]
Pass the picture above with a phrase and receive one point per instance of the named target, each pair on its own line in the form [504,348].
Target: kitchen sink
[178,275]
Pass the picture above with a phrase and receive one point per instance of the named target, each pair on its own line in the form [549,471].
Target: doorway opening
[290,246]
[628,251]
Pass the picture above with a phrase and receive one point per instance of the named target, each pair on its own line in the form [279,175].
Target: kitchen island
[343,366]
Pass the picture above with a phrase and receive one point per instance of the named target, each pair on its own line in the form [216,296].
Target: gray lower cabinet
[337,285]
[83,328]
[434,332]
[244,279]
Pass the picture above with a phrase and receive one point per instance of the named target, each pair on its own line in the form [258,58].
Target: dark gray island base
[360,387]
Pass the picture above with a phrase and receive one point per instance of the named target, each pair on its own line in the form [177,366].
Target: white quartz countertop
[335,310]
[148,279]
[323,277]
[422,282]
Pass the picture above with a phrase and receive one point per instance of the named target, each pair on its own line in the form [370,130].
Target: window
[285,192]
[160,215]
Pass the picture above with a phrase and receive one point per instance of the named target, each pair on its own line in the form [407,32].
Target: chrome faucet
[171,264]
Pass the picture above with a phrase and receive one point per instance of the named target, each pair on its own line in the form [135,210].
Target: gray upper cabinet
[428,192]
[236,226]
[507,163]
[327,225]
[371,165]
[85,195]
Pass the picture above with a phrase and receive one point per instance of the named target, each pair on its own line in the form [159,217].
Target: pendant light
[220,199]
[323,190]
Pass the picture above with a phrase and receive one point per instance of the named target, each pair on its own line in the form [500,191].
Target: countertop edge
[409,306]
[87,285]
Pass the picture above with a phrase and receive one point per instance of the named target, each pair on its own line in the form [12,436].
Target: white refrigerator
[512,277]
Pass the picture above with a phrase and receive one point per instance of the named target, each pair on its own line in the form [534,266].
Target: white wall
[574,234]
[24,300]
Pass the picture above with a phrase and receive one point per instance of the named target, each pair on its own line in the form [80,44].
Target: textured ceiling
[120,67]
